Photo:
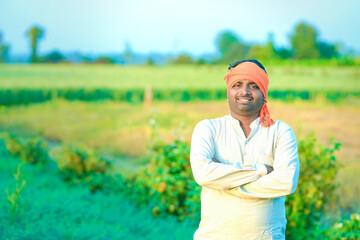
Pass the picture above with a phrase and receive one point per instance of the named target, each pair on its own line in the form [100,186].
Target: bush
[12,143]
[77,162]
[35,151]
[347,229]
[315,191]
[167,181]
[168,178]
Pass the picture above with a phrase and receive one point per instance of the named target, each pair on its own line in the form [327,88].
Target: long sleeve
[215,175]
[280,182]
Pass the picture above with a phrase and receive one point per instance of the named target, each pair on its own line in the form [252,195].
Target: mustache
[248,97]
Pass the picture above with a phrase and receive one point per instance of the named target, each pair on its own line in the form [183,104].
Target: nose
[244,90]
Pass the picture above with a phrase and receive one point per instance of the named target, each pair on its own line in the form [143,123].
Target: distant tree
[150,62]
[53,57]
[284,53]
[270,51]
[304,41]
[327,50]
[264,52]
[35,33]
[128,52]
[201,61]
[104,60]
[257,51]
[231,47]
[86,59]
[4,50]
[183,59]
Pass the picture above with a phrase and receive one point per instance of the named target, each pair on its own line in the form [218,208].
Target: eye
[254,86]
[236,85]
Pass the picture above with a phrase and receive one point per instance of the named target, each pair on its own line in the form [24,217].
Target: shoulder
[280,126]
[283,131]
[211,125]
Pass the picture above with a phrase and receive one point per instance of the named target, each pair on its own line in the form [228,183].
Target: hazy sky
[172,26]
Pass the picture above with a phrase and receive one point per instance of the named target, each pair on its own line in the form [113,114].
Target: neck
[244,120]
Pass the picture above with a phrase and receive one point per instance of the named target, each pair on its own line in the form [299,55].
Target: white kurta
[238,199]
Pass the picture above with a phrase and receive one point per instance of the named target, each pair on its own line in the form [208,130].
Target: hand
[269,169]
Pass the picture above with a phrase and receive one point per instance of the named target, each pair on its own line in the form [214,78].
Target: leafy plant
[315,191]
[35,151]
[347,229]
[167,180]
[78,162]
[53,209]
[12,143]
[14,196]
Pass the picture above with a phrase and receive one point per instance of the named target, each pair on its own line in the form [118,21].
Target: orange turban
[251,72]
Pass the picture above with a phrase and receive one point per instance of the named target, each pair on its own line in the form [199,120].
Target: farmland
[72,212]
[171,77]
[121,129]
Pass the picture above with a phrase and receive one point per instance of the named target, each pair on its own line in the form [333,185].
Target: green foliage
[266,52]
[231,47]
[150,62]
[35,33]
[14,196]
[53,57]
[304,41]
[167,179]
[35,151]
[315,191]
[12,143]
[26,96]
[327,50]
[283,53]
[4,50]
[183,59]
[305,44]
[262,52]
[347,229]
[168,174]
[79,162]
[53,209]
[105,60]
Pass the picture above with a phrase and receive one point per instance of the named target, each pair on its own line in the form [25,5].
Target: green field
[121,130]
[171,77]
[73,212]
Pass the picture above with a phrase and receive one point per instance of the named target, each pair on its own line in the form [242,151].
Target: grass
[52,209]
[171,77]
[122,129]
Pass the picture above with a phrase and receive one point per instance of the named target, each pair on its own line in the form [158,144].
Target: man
[245,162]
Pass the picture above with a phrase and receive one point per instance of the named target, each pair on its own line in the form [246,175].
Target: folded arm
[283,179]
[212,174]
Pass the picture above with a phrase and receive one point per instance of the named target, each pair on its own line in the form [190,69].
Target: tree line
[304,44]
[304,39]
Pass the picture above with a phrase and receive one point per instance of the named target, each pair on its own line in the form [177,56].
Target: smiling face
[245,99]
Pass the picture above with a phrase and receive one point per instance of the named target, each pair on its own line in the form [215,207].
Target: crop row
[25,96]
